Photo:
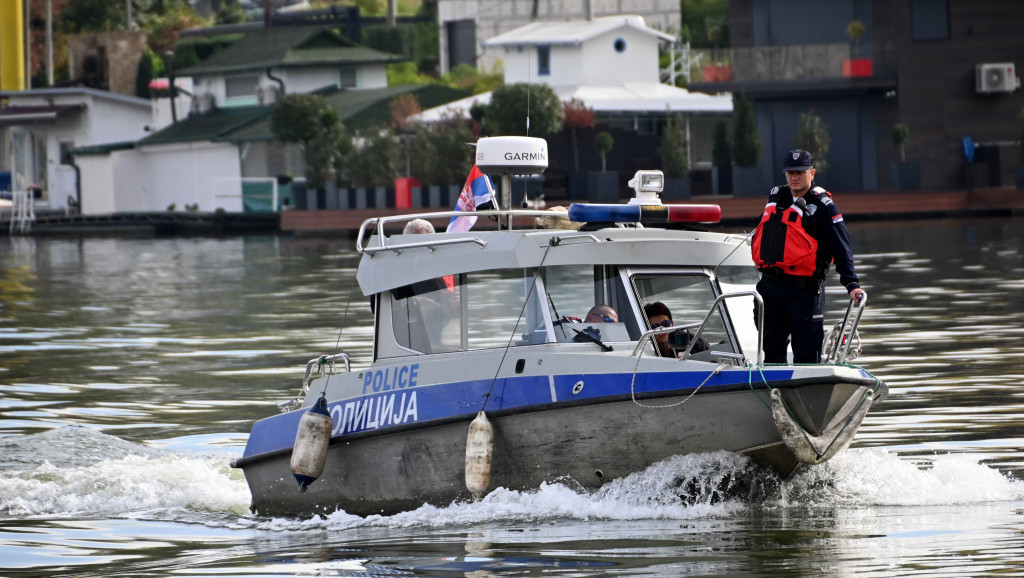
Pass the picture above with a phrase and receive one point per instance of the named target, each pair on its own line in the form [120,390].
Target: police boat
[486,371]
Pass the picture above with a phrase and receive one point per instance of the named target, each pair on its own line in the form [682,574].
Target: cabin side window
[688,297]
[466,312]
[573,290]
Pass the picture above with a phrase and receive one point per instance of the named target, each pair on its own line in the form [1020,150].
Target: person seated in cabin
[659,316]
[601,313]
[432,303]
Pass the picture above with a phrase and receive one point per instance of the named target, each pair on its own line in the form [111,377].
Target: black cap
[798,160]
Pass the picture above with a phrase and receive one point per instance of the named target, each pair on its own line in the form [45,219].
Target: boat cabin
[486,290]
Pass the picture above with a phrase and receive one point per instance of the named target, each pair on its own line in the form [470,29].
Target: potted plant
[675,161]
[856,66]
[721,157]
[746,150]
[812,136]
[903,176]
[603,186]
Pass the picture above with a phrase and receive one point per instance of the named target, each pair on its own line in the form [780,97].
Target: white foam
[698,486]
[873,476]
[125,486]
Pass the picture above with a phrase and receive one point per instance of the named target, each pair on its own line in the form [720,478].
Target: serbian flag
[478,191]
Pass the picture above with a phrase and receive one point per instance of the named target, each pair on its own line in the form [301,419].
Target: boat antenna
[341,328]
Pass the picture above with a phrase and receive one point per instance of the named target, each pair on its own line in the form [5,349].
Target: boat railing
[326,366]
[377,224]
[838,343]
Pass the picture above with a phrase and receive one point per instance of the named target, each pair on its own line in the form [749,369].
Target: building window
[544,60]
[347,78]
[241,86]
[620,45]
[929,19]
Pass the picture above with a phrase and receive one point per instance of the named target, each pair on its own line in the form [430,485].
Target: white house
[265,63]
[38,128]
[467,26]
[611,64]
[200,160]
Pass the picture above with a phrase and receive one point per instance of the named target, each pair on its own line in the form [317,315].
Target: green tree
[900,136]
[721,154]
[675,161]
[230,12]
[310,120]
[705,22]
[375,162]
[150,67]
[812,136]
[746,145]
[507,112]
[604,143]
[577,115]
[91,16]
[439,153]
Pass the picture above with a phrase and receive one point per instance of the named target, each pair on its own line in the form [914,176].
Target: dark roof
[206,127]
[287,47]
[359,109]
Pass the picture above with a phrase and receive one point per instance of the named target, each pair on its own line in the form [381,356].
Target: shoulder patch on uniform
[775,191]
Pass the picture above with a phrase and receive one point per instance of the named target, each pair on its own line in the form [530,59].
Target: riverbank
[738,212]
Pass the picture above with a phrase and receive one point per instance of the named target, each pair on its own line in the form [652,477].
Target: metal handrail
[650,335]
[850,307]
[760,322]
[324,361]
[379,222]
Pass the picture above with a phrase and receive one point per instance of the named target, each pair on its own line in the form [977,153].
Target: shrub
[675,161]
[746,145]
[812,136]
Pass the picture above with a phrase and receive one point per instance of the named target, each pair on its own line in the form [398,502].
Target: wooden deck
[736,211]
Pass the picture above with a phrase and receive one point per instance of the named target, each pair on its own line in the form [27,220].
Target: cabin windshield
[575,290]
[469,311]
[688,296]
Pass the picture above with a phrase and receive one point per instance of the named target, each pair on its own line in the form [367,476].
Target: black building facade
[941,67]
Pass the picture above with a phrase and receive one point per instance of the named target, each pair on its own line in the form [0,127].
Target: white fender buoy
[479,453]
[309,453]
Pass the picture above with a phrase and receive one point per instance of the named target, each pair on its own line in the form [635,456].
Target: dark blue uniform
[795,305]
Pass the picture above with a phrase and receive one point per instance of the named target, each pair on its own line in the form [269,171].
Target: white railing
[23,212]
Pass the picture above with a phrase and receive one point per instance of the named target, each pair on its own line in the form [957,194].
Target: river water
[132,369]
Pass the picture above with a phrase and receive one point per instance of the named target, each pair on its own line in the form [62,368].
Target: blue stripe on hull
[465,399]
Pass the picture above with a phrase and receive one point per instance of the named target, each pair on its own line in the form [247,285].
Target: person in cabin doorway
[801,233]
[601,314]
[659,316]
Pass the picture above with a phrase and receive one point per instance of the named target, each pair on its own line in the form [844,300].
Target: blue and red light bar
[646,214]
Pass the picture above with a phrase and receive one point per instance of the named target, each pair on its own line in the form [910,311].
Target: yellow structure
[12,45]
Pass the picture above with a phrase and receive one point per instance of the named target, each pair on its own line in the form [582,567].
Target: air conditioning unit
[995,77]
[267,95]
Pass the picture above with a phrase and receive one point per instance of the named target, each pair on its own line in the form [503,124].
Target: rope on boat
[632,383]
[526,303]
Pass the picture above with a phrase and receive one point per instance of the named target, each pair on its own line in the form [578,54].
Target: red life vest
[782,242]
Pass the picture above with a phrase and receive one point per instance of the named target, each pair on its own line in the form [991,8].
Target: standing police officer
[800,234]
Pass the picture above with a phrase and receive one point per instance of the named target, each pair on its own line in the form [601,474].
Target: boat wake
[77,472]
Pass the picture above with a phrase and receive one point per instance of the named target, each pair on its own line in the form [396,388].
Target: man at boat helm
[800,235]
[601,314]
